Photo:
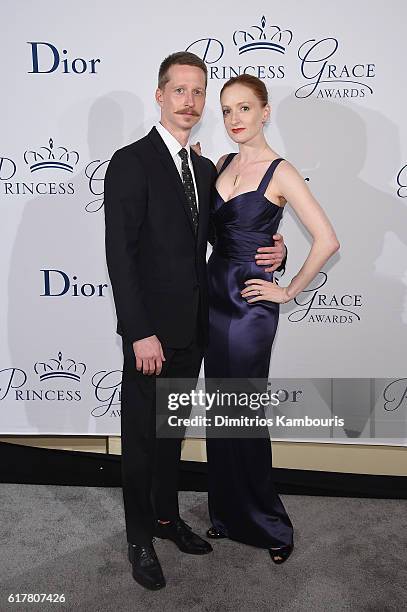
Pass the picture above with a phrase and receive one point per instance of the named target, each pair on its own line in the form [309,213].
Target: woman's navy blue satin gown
[243,503]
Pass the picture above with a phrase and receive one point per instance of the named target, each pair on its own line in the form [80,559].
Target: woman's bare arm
[291,185]
[324,241]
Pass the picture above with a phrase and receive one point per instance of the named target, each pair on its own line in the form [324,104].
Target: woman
[252,189]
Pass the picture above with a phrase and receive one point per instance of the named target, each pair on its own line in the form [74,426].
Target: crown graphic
[49,157]
[57,368]
[277,41]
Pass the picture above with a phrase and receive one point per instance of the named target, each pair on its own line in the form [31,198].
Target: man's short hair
[183,58]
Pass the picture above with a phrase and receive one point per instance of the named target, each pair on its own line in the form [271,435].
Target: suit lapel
[173,174]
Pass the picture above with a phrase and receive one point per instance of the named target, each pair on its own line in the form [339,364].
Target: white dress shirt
[174,147]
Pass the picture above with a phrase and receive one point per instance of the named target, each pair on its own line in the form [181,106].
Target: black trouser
[150,465]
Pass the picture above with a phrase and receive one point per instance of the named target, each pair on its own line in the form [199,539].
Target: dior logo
[57,283]
[46,58]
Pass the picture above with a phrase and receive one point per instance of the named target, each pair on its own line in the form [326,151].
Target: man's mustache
[185,112]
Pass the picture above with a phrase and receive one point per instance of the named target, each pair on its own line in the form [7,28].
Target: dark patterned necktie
[189,187]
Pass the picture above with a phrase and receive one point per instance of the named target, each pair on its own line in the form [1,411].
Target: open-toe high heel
[214,534]
[279,555]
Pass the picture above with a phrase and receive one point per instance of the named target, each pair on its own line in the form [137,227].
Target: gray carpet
[350,554]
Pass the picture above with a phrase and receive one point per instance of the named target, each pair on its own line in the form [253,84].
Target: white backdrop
[78,82]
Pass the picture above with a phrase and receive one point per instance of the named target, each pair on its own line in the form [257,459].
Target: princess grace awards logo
[270,39]
[52,161]
[60,379]
[327,76]
[325,307]
[58,368]
[44,158]
[13,381]
[49,157]
[260,37]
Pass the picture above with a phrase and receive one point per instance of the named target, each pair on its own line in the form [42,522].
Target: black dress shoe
[146,566]
[182,535]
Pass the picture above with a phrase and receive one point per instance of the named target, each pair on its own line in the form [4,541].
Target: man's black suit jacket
[156,263]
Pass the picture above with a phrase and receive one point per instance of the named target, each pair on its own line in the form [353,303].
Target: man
[157,195]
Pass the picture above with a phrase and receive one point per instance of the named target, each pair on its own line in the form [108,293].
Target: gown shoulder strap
[269,175]
[227,161]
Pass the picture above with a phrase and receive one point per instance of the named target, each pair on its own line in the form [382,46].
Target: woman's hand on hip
[257,289]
